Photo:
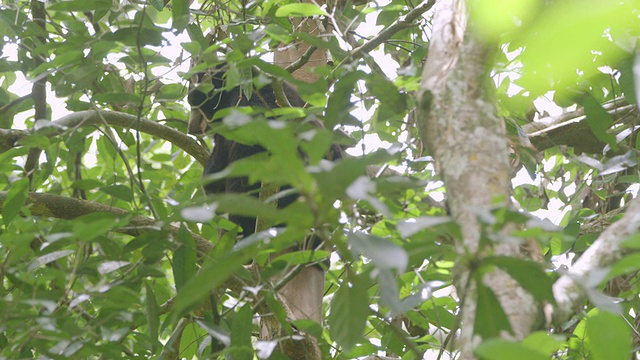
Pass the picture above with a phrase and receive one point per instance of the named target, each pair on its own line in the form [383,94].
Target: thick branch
[8,137]
[569,291]
[572,129]
[62,207]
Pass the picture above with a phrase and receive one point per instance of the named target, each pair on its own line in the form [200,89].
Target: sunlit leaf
[608,336]
[80,5]
[202,213]
[265,348]
[558,47]
[497,349]
[383,253]
[111,266]
[512,14]
[408,228]
[544,342]
[216,331]
[298,10]
[49,258]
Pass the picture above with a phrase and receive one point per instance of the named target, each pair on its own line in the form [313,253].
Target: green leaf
[544,342]
[561,50]
[349,312]
[157,4]
[180,14]
[81,5]
[490,319]
[90,226]
[119,191]
[389,292]
[384,254]
[498,349]
[627,82]
[308,326]
[184,258]
[410,227]
[111,266]
[302,257]
[393,103]
[114,98]
[608,336]
[299,10]
[212,274]
[339,104]
[86,184]
[531,275]
[245,205]
[16,197]
[49,258]
[599,120]
[152,312]
[241,331]
[280,313]
[216,331]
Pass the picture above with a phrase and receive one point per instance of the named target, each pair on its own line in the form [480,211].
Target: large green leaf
[497,349]
[531,275]
[608,336]
[299,10]
[349,311]
[241,332]
[212,274]
[599,120]
[16,196]
[490,319]
[184,258]
[384,253]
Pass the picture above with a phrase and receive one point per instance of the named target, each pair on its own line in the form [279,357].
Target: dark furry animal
[204,107]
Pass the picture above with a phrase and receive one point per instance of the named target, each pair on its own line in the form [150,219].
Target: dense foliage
[116,261]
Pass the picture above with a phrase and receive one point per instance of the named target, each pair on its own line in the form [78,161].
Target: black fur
[226,151]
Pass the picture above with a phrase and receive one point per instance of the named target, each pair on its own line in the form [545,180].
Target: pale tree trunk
[458,122]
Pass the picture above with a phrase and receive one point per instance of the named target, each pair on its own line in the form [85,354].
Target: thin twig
[400,24]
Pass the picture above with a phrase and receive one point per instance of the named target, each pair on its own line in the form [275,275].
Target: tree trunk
[458,122]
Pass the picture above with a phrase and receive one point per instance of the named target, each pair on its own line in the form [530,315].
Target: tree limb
[62,207]
[571,128]
[9,137]
[570,290]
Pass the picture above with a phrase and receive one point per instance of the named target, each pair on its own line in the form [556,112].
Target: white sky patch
[555,211]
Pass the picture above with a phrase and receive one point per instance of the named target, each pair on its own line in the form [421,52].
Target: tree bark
[78,119]
[589,270]
[458,122]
